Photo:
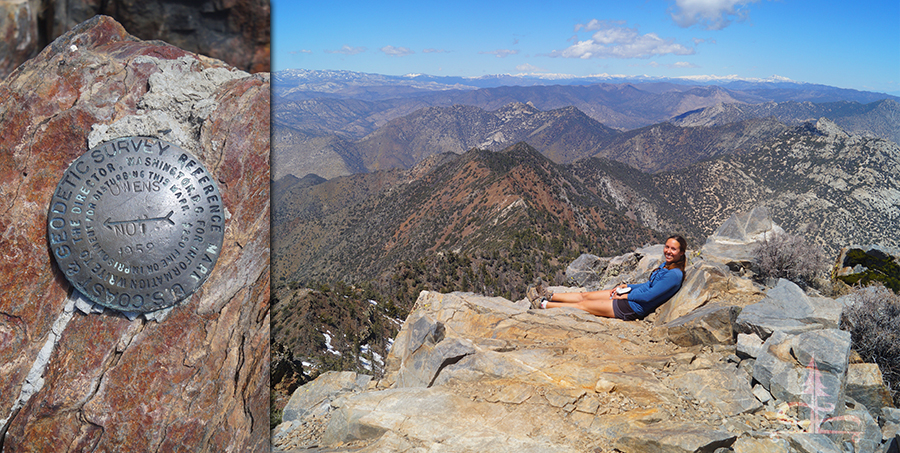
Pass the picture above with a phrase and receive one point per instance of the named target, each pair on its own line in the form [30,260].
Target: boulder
[194,378]
[812,443]
[891,428]
[787,308]
[733,242]
[702,282]
[315,399]
[865,385]
[723,389]
[713,324]
[855,427]
[806,369]
[592,272]
[587,270]
[749,346]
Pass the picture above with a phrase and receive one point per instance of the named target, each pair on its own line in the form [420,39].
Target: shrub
[789,256]
[873,320]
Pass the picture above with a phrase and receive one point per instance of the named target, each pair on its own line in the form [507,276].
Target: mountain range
[500,209]
[838,189]
[398,121]
[297,84]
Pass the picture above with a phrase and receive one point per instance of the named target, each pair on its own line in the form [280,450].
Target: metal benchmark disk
[136,224]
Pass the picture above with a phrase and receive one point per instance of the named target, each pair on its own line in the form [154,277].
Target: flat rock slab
[503,377]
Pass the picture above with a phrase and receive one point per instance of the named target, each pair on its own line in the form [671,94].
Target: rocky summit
[727,365]
[77,377]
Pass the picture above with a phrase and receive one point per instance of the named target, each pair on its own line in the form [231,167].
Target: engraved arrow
[167,217]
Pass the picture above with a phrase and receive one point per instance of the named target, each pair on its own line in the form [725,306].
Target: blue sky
[838,43]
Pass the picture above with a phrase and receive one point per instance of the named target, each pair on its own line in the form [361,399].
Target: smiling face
[672,251]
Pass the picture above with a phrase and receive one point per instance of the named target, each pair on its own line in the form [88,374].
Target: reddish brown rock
[196,380]
[235,31]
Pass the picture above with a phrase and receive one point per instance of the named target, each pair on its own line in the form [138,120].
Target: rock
[776,370]
[316,397]
[734,240]
[701,282]
[827,349]
[594,273]
[812,443]
[675,439]
[521,380]
[723,389]
[808,368]
[864,264]
[713,324]
[422,352]
[891,428]
[586,270]
[761,394]
[865,384]
[855,427]
[237,31]
[749,444]
[748,345]
[194,379]
[433,417]
[787,308]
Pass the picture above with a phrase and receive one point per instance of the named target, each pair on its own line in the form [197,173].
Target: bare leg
[580,297]
[596,302]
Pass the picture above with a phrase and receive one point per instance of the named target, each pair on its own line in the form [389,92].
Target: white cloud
[709,14]
[612,40]
[501,53]
[295,52]
[347,50]
[529,68]
[397,51]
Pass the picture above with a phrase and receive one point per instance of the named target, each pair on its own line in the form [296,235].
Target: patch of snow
[331,349]
[378,359]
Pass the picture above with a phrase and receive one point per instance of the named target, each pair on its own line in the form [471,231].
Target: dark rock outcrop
[863,265]
[74,377]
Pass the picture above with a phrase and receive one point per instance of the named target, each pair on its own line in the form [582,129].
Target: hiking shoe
[539,303]
[532,294]
[544,291]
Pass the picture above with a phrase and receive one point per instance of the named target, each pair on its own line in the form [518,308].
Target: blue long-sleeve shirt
[663,284]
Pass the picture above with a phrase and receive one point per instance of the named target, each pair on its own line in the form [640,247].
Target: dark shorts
[623,310]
